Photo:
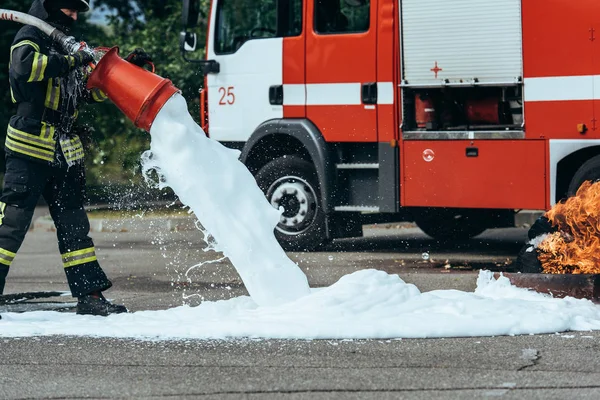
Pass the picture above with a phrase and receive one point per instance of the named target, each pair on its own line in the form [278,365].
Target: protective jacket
[48,91]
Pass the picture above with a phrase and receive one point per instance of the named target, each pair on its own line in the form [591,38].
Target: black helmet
[79,5]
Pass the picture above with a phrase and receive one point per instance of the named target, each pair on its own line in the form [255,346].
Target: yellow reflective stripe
[47,143]
[29,150]
[75,141]
[38,68]
[26,42]
[72,146]
[52,94]
[76,156]
[44,65]
[3,251]
[12,96]
[89,250]
[98,95]
[2,207]
[79,262]
[56,94]
[72,149]
[79,257]
[23,43]
[48,101]
[34,67]
[6,257]
[48,132]
[71,61]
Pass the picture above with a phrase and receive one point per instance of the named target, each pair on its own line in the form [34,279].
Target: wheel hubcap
[298,201]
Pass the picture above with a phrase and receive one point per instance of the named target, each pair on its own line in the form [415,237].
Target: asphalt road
[151,270]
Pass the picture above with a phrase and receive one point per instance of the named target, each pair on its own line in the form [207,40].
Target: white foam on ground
[367,304]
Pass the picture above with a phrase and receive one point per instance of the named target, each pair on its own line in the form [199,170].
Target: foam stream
[222,193]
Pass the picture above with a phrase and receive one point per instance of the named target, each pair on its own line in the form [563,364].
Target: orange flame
[575,248]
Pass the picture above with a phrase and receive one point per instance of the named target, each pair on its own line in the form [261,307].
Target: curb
[523,219]
[166,224]
[526,218]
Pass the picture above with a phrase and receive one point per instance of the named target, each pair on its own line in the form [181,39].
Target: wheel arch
[568,166]
[279,137]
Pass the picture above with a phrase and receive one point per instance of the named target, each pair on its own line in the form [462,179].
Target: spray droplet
[425,256]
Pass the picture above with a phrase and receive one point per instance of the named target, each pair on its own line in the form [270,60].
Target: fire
[575,248]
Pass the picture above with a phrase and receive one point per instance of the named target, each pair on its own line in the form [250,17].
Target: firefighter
[44,157]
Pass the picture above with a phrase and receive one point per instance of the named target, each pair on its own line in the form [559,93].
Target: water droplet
[425,256]
[330,258]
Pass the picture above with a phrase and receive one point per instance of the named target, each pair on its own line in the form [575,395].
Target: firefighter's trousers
[64,190]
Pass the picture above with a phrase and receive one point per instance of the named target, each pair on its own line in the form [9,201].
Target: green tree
[153,25]
[7,34]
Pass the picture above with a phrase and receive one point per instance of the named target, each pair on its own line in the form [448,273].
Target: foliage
[7,33]
[153,25]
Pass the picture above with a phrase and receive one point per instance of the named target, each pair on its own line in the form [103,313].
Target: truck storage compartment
[462,66]
[463,109]
[474,174]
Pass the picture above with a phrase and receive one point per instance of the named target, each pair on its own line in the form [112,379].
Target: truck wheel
[451,224]
[291,182]
[589,171]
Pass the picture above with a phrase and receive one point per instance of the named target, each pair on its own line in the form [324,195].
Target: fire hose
[67,43]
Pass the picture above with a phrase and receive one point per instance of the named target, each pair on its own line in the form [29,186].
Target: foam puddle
[367,304]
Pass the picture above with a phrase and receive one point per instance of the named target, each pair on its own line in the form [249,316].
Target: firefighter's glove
[139,57]
[82,58]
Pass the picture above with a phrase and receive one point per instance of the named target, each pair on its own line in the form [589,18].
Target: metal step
[358,166]
[357,208]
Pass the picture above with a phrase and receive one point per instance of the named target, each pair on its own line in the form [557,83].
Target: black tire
[589,171]
[446,224]
[291,182]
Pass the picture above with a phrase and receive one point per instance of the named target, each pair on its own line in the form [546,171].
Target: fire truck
[455,114]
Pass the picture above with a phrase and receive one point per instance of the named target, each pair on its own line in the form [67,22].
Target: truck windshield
[241,20]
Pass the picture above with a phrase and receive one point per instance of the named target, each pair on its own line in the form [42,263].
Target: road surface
[149,269]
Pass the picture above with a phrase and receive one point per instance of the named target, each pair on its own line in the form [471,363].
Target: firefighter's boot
[96,304]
